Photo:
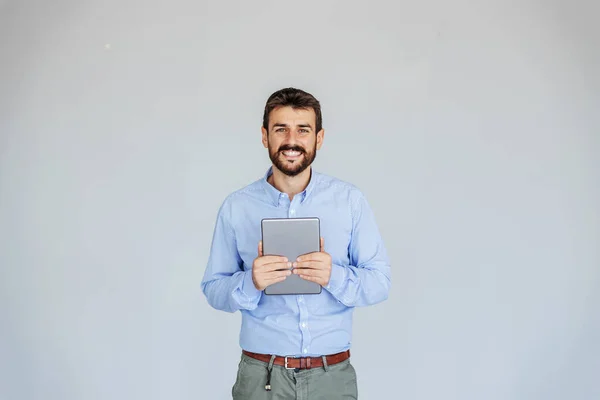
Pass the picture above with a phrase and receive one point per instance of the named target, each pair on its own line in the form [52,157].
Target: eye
[304,130]
[280,130]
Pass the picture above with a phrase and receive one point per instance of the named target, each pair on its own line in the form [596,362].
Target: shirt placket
[303,324]
[301,301]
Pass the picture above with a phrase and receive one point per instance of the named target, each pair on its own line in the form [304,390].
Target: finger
[272,259]
[275,266]
[277,275]
[317,265]
[317,256]
[274,281]
[316,279]
[310,271]
[260,249]
[322,243]
[305,271]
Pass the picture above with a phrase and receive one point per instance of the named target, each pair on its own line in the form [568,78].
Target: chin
[289,172]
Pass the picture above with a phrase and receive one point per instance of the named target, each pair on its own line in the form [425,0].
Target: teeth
[291,153]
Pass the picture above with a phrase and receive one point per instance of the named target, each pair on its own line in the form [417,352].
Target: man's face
[291,140]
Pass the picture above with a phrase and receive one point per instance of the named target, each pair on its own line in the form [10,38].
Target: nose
[290,138]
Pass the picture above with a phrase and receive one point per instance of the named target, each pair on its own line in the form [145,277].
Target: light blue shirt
[297,325]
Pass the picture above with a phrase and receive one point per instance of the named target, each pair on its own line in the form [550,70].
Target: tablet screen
[291,237]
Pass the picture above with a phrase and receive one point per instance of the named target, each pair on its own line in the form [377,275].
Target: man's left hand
[314,267]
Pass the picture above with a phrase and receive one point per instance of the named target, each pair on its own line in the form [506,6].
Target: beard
[292,167]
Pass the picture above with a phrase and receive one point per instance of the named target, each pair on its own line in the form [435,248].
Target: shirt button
[305,351]
[300,300]
[292,211]
[304,324]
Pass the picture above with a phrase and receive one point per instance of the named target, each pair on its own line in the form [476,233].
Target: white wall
[472,129]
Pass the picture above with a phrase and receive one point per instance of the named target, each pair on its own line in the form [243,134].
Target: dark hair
[295,98]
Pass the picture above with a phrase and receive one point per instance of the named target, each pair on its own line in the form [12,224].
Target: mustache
[287,147]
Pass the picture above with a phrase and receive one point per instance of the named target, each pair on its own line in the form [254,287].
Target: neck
[291,185]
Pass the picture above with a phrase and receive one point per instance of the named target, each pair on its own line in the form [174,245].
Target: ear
[265,140]
[320,136]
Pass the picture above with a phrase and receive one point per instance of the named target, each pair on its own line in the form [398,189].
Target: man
[296,346]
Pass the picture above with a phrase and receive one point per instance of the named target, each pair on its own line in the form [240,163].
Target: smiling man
[296,346]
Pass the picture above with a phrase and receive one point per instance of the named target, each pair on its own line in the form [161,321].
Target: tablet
[291,237]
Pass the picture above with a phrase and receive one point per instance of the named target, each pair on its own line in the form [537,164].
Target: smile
[290,153]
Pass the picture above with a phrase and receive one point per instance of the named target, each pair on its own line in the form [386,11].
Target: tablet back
[291,237]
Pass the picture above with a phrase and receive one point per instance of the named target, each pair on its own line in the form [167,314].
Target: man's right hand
[265,269]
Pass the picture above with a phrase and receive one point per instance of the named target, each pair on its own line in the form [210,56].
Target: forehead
[292,116]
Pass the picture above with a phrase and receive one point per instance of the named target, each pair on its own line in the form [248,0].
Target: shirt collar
[275,195]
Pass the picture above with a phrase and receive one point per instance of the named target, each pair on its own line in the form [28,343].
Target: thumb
[322,243]
[260,249]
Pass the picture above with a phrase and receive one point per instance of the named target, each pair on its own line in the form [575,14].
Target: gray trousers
[331,382]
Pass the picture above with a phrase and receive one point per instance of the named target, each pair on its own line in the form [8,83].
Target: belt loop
[271,362]
[325,366]
[269,369]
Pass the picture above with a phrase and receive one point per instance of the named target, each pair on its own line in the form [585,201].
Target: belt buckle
[285,360]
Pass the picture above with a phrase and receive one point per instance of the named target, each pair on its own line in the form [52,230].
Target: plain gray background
[472,128]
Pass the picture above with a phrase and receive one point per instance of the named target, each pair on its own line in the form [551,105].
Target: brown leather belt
[300,362]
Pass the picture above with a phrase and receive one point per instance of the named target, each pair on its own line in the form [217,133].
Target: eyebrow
[286,125]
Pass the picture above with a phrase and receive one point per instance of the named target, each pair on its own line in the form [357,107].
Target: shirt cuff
[248,288]
[339,274]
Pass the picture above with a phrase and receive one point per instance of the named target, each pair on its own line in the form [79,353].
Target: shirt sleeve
[366,281]
[226,285]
